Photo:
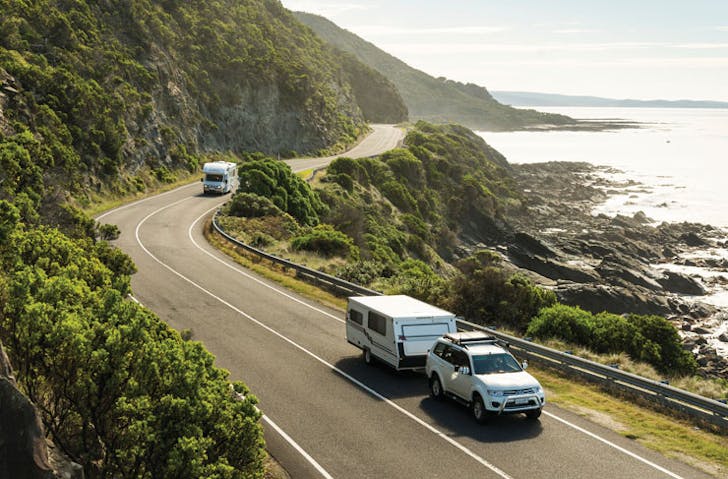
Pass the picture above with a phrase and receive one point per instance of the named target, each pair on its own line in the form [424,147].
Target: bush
[276,181]
[651,339]
[250,205]
[115,364]
[325,240]
[488,295]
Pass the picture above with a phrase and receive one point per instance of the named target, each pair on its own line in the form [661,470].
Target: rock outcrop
[23,446]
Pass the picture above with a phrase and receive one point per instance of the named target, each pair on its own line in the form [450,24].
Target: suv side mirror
[524,364]
[464,370]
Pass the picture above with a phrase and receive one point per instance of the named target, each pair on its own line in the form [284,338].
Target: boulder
[681,284]
[692,239]
[23,453]
[597,298]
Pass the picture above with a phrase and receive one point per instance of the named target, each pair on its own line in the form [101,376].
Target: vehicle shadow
[385,380]
[410,390]
[457,418]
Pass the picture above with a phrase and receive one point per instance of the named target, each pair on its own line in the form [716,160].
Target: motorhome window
[213,177]
[377,322]
[355,316]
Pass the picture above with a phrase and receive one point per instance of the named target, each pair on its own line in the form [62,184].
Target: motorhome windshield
[213,177]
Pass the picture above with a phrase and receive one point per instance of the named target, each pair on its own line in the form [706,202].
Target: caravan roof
[400,306]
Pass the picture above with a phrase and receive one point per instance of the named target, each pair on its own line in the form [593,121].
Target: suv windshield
[495,363]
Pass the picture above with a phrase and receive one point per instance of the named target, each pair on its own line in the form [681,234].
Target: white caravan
[397,330]
[220,177]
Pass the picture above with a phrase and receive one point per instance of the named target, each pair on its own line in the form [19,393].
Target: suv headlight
[495,393]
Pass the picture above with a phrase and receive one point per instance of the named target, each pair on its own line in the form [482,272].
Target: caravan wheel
[366,356]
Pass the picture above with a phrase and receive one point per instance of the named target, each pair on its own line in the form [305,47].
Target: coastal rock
[625,276]
[596,298]
[550,268]
[679,283]
[23,452]
[723,338]
[692,239]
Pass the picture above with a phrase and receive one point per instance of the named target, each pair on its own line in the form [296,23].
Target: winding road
[326,413]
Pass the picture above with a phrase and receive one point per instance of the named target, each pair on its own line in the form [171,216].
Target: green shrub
[115,363]
[327,241]
[489,295]
[651,339]
[276,181]
[251,205]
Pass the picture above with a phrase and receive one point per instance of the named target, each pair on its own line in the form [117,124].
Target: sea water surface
[680,155]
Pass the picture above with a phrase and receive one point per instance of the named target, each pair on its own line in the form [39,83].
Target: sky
[641,49]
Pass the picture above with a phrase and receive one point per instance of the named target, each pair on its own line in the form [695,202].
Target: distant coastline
[531,99]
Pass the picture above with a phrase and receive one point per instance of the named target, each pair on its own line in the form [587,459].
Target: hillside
[527,98]
[98,92]
[428,98]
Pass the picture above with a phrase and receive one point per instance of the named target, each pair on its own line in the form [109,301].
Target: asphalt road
[326,413]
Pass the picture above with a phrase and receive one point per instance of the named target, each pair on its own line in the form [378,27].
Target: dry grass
[285,278]
[105,202]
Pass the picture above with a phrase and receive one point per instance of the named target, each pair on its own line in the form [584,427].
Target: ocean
[679,155]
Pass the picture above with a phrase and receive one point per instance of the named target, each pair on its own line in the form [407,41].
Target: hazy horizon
[614,49]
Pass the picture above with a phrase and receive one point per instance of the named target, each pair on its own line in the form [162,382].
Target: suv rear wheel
[478,408]
[436,388]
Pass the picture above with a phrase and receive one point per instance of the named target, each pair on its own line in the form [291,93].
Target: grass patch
[101,203]
[670,436]
[273,272]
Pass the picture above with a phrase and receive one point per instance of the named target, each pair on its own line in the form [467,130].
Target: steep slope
[110,87]
[428,98]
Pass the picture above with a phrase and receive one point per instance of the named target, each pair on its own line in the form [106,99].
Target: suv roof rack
[470,337]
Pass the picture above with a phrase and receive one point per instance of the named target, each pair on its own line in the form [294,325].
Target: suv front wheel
[436,388]
[478,408]
[533,413]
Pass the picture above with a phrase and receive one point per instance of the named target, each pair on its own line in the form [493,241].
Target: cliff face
[23,453]
[114,86]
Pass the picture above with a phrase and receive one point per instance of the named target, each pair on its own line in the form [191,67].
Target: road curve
[351,420]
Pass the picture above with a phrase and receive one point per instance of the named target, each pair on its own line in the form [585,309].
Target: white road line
[298,448]
[615,446]
[309,353]
[134,203]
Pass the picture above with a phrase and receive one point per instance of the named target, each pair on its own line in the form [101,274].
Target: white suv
[475,369]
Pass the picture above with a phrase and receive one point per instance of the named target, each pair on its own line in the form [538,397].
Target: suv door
[459,382]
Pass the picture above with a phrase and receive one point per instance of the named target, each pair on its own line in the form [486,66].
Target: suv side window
[439,349]
[449,354]
[460,359]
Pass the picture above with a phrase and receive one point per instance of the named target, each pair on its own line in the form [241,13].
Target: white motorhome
[398,330]
[220,177]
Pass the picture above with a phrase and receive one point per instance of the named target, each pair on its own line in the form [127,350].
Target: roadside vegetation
[118,391]
[399,223]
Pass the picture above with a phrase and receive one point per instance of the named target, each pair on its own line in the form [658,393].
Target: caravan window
[355,316]
[377,322]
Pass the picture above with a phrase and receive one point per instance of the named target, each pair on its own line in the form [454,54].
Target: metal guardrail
[705,409]
[301,271]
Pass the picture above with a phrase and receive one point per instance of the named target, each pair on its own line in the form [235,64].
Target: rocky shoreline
[617,264]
